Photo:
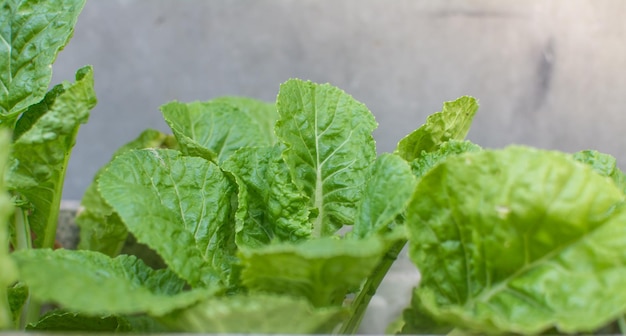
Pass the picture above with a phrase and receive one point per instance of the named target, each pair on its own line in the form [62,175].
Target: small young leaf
[389,187]
[518,241]
[178,205]
[8,272]
[603,164]
[452,123]
[92,283]
[270,205]
[323,270]
[31,35]
[40,154]
[18,295]
[427,160]
[101,229]
[256,314]
[215,129]
[329,142]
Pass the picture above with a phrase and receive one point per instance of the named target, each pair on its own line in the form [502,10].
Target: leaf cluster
[255,217]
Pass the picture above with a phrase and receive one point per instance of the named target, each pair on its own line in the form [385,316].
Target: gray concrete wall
[550,74]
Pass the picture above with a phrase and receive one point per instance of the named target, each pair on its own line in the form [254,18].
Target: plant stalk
[621,323]
[363,298]
[23,240]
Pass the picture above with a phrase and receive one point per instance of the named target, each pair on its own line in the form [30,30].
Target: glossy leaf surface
[31,35]
[518,241]
[329,142]
[180,207]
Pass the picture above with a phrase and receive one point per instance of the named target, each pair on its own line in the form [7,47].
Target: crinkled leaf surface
[389,187]
[8,273]
[427,160]
[518,240]
[101,229]
[323,270]
[41,153]
[452,123]
[31,35]
[329,142]
[256,314]
[92,283]
[604,164]
[270,208]
[215,129]
[178,205]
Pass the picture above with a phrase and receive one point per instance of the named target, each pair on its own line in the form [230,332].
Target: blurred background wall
[550,74]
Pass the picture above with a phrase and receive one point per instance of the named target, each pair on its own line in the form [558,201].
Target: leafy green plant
[256,217]
[247,221]
[43,127]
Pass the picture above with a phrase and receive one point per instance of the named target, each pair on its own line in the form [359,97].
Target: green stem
[621,323]
[30,312]
[363,298]
[22,230]
[31,309]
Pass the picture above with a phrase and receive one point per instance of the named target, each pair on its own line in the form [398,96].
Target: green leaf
[91,283]
[215,129]
[256,314]
[178,205]
[59,320]
[329,142]
[417,322]
[517,241]
[270,208]
[31,35]
[101,229]
[427,160]
[41,153]
[389,187]
[68,321]
[603,164]
[452,123]
[8,273]
[18,295]
[323,270]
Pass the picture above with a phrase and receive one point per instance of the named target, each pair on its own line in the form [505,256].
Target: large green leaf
[41,152]
[256,314]
[329,142]
[31,35]
[215,129]
[178,205]
[270,208]
[517,241]
[101,229]
[323,270]
[8,273]
[604,164]
[452,123]
[389,188]
[92,283]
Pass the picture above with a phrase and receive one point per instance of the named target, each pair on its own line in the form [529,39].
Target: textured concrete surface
[550,74]
[547,74]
